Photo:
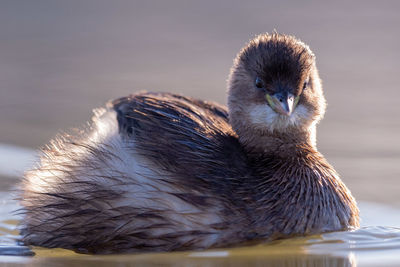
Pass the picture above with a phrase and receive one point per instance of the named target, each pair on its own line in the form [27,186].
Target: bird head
[274,87]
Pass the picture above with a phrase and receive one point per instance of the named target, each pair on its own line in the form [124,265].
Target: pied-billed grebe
[163,172]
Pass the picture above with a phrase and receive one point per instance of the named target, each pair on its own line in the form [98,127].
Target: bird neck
[284,144]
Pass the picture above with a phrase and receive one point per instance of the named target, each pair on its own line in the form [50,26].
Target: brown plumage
[163,172]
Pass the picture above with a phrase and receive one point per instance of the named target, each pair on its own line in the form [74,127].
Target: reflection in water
[277,254]
[332,249]
[288,261]
[367,246]
[8,240]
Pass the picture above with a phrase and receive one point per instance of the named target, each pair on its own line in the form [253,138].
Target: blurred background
[61,59]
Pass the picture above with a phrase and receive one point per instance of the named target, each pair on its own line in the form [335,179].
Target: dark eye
[259,83]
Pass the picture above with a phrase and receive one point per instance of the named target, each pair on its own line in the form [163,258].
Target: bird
[164,172]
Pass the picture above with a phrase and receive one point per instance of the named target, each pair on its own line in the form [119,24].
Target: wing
[188,138]
[88,196]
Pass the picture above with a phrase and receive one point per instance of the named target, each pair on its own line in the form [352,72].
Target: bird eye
[259,83]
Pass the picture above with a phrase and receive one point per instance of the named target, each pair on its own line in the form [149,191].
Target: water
[376,243]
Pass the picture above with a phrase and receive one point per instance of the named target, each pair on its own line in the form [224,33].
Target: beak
[282,103]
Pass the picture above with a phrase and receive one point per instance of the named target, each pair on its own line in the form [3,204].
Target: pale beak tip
[282,103]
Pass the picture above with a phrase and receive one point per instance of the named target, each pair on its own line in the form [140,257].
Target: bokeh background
[60,59]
